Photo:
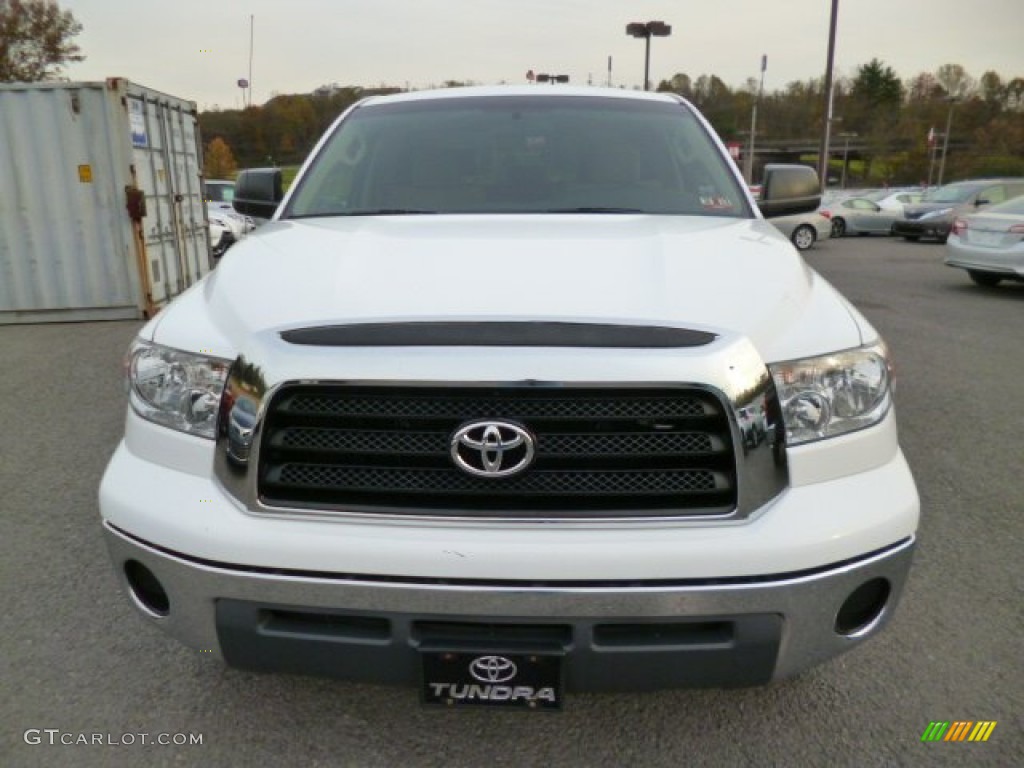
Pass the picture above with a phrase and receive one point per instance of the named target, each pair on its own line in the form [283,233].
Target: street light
[846,152]
[243,84]
[748,163]
[647,30]
[945,139]
[544,78]
[932,141]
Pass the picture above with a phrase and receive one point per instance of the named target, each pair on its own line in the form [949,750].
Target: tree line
[892,120]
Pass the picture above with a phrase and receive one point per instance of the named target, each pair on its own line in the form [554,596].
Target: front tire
[803,237]
[984,279]
[911,238]
[838,227]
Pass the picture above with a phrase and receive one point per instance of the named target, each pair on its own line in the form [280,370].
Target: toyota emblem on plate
[492,669]
[492,448]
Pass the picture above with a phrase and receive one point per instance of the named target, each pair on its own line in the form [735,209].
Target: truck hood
[723,275]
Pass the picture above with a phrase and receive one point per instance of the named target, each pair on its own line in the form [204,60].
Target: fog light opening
[863,608]
[146,589]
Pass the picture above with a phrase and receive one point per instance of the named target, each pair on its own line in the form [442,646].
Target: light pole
[933,139]
[945,139]
[243,84]
[846,152]
[823,152]
[647,30]
[748,163]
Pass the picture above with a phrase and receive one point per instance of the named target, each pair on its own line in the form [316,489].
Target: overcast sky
[198,49]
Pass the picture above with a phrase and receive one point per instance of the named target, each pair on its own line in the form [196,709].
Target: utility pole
[252,19]
[945,139]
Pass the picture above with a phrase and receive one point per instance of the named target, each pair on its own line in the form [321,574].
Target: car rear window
[520,154]
[220,193]
[1014,206]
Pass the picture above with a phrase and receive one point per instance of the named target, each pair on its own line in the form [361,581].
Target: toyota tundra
[517,394]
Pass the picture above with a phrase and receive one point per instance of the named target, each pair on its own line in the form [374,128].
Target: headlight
[177,389]
[833,394]
[938,213]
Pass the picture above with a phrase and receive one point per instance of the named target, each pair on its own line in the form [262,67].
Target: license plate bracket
[491,679]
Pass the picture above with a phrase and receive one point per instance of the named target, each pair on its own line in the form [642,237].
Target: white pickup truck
[516,395]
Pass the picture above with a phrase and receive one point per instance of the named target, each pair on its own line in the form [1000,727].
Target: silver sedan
[859,216]
[989,244]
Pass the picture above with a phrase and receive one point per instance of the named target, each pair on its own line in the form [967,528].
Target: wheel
[911,238]
[984,279]
[803,237]
[838,227]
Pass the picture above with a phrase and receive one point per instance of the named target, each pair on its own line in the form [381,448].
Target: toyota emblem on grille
[492,448]
[492,669]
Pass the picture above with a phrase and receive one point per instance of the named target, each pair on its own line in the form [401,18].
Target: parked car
[518,395]
[803,229]
[934,216]
[895,199]
[989,244]
[219,194]
[859,216]
[222,234]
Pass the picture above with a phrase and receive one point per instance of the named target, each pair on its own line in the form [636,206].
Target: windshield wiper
[593,209]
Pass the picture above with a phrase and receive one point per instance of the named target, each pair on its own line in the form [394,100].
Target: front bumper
[938,227]
[613,635]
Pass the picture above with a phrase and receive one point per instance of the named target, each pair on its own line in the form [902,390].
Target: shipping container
[101,201]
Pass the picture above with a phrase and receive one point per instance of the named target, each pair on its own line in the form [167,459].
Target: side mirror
[788,189]
[258,192]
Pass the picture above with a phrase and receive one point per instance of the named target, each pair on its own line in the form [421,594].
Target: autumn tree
[35,40]
[679,83]
[991,89]
[924,88]
[219,162]
[955,81]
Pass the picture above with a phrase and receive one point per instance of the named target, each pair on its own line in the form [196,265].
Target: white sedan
[989,244]
[803,229]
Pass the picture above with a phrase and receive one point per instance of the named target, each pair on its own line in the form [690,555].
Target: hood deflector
[498,334]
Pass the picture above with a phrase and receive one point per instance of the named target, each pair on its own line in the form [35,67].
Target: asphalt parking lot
[75,658]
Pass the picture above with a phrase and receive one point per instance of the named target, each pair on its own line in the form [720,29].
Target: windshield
[952,194]
[520,154]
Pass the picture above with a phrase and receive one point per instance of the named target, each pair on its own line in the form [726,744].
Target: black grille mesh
[441,481]
[549,408]
[599,451]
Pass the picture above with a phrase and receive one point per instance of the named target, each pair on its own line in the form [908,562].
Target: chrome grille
[599,451]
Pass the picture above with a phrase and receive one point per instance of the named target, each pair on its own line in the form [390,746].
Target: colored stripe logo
[958,730]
